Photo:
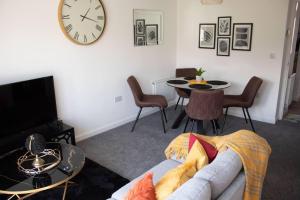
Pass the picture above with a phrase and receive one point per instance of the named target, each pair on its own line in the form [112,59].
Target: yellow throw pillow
[174,178]
[197,156]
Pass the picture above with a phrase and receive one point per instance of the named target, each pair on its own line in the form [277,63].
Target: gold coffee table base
[24,196]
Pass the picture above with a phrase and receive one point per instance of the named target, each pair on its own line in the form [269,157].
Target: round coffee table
[17,184]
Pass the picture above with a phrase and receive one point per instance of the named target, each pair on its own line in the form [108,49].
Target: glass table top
[14,181]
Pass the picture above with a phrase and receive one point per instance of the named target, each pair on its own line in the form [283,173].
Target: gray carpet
[131,154]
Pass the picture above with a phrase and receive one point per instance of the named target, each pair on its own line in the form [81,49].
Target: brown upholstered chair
[184,72]
[205,105]
[143,100]
[245,100]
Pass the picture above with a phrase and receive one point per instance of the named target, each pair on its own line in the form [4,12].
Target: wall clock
[82,21]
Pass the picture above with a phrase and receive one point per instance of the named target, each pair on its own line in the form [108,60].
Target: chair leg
[137,118]
[177,103]
[245,115]
[162,119]
[213,126]
[193,123]
[225,117]
[250,120]
[164,111]
[186,124]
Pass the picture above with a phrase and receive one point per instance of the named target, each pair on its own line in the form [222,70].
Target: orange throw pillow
[143,189]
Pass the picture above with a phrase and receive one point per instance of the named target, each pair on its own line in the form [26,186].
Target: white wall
[87,78]
[269,18]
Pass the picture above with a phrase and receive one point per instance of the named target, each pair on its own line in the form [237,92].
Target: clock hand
[88,18]
[83,17]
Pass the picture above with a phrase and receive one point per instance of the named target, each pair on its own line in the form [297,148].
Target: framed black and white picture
[207,36]
[224,26]
[223,46]
[152,34]
[242,36]
[140,40]
[140,27]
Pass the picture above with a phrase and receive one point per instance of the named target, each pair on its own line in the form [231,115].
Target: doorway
[289,104]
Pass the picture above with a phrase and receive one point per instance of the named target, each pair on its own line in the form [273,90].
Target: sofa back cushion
[221,172]
[195,188]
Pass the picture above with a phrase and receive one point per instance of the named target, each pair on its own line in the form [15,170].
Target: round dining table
[189,84]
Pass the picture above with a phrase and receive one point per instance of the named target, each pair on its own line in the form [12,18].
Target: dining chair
[144,100]
[205,105]
[244,100]
[182,93]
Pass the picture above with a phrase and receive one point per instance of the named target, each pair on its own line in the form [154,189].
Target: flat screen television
[26,104]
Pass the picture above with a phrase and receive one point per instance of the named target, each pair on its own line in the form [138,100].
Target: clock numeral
[66,17]
[100,17]
[85,39]
[94,36]
[98,7]
[99,28]
[69,28]
[67,5]
[76,36]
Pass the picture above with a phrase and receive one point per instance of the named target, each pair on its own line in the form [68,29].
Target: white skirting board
[85,135]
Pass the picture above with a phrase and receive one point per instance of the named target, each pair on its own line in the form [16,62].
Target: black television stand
[57,131]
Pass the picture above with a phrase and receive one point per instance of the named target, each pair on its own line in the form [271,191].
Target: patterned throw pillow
[143,189]
[210,150]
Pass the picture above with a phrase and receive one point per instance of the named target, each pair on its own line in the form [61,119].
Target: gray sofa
[223,179]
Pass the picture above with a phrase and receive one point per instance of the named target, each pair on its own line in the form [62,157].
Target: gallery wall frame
[152,34]
[207,35]
[224,26]
[223,46]
[242,36]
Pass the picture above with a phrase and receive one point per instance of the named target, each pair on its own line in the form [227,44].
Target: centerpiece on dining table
[199,77]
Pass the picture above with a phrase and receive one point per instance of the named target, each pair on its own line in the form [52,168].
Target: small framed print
[224,26]
[140,40]
[223,46]
[152,34]
[207,36]
[242,36]
[140,27]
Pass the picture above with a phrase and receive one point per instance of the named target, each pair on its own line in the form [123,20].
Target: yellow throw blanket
[253,150]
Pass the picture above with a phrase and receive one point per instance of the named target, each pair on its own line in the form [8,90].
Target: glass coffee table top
[14,181]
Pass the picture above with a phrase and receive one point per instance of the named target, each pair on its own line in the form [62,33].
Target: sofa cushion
[236,190]
[158,171]
[195,188]
[221,172]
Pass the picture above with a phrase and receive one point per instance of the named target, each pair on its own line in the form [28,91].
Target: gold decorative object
[35,164]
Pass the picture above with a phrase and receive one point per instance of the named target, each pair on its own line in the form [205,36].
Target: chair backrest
[251,89]
[135,89]
[205,105]
[186,72]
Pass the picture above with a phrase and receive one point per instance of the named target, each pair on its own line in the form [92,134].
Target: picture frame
[140,27]
[140,40]
[207,36]
[224,26]
[223,46]
[151,34]
[242,36]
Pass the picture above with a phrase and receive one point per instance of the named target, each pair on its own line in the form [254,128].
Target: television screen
[26,104]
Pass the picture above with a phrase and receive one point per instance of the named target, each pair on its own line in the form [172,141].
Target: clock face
[82,21]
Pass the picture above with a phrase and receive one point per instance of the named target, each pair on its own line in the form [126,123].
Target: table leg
[179,119]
